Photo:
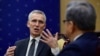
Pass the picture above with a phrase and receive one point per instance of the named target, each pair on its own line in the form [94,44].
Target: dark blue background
[13,18]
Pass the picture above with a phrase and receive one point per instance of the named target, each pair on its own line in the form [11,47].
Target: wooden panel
[95,3]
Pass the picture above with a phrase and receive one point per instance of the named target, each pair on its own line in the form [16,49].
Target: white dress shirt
[77,37]
[36,45]
[55,51]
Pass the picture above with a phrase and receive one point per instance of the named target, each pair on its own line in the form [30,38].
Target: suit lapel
[40,47]
[25,45]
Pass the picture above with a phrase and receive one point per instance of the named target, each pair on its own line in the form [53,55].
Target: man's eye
[34,20]
[41,22]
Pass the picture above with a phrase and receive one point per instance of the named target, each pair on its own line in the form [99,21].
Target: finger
[9,53]
[45,34]
[49,32]
[45,38]
[56,36]
[12,54]
[11,48]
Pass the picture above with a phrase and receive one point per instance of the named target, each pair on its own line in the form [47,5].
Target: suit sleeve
[73,50]
[17,44]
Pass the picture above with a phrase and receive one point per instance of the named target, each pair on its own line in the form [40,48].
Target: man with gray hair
[32,46]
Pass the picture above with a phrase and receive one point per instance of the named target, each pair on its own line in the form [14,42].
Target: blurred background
[14,15]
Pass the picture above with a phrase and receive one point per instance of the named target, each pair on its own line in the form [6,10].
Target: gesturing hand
[10,51]
[49,39]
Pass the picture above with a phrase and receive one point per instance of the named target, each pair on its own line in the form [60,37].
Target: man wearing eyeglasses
[80,26]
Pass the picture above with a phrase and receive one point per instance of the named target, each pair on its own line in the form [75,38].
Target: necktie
[66,42]
[32,47]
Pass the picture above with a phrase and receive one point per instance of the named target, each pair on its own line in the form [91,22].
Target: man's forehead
[37,17]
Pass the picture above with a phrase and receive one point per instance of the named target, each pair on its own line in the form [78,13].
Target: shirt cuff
[55,51]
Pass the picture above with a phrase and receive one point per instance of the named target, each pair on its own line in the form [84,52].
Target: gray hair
[37,11]
[82,14]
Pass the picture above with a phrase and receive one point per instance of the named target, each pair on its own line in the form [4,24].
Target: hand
[49,39]
[10,51]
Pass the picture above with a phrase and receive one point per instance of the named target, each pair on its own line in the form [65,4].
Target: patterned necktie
[32,47]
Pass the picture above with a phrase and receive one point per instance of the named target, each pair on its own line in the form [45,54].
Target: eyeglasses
[64,21]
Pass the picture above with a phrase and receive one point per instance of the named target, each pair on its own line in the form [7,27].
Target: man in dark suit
[32,46]
[80,26]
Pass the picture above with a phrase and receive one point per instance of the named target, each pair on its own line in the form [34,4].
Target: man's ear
[44,26]
[72,28]
[72,24]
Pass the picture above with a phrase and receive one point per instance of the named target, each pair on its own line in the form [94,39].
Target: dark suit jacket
[85,45]
[43,49]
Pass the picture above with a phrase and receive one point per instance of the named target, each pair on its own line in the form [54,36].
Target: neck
[34,36]
[73,35]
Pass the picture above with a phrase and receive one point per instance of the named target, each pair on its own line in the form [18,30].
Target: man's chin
[36,34]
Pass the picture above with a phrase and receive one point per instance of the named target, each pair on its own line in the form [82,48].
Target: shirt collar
[36,38]
[77,37]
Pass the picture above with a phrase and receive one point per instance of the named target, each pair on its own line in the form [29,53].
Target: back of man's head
[82,14]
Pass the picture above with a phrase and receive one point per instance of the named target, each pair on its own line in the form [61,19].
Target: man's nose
[37,23]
